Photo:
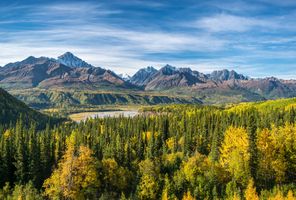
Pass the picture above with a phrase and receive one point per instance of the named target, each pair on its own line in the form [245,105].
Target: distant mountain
[170,77]
[221,83]
[70,60]
[270,88]
[125,77]
[69,71]
[167,77]
[28,61]
[29,72]
[143,76]
[48,72]
[224,75]
[12,109]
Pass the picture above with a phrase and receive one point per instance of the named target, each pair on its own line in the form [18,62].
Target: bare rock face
[225,75]
[143,76]
[183,79]
[170,77]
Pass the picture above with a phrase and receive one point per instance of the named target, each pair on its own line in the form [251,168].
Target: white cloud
[228,23]
[71,27]
[84,29]
[100,43]
[237,6]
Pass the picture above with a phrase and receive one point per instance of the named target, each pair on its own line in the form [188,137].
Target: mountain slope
[170,77]
[125,77]
[27,73]
[224,75]
[270,88]
[143,76]
[67,71]
[42,99]
[218,83]
[12,108]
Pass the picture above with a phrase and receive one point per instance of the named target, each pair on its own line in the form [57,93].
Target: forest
[245,151]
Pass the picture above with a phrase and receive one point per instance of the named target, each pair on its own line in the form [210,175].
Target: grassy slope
[263,105]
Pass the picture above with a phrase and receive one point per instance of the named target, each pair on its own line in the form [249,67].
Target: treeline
[174,152]
[70,99]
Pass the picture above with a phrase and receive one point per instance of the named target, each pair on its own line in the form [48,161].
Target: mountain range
[66,70]
[69,71]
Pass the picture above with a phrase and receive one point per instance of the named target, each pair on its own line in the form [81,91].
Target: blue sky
[257,38]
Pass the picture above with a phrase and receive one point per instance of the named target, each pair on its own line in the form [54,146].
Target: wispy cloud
[98,42]
[226,23]
[238,6]
[284,3]
[119,36]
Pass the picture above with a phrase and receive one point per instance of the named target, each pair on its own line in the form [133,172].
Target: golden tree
[235,154]
[76,176]
[250,193]
[149,186]
[290,196]
[115,177]
[188,196]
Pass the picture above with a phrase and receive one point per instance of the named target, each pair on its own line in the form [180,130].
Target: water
[126,113]
[78,117]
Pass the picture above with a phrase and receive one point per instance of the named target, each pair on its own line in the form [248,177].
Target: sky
[256,38]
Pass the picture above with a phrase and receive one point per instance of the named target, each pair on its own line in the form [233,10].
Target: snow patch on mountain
[71,60]
[125,77]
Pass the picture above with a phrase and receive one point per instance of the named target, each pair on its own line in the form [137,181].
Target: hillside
[41,99]
[12,109]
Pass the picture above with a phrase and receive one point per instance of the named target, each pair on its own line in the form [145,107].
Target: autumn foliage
[245,152]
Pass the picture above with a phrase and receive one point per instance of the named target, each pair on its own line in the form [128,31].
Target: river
[78,117]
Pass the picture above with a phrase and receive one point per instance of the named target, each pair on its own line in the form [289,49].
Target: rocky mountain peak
[224,75]
[70,60]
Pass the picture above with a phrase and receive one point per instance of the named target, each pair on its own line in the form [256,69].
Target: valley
[69,83]
[174,127]
[68,99]
[147,100]
[177,146]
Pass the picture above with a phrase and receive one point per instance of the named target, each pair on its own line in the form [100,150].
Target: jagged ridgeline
[68,72]
[13,109]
